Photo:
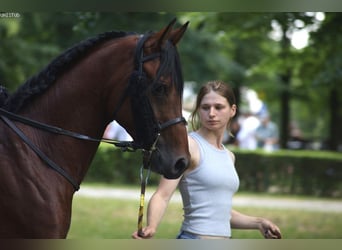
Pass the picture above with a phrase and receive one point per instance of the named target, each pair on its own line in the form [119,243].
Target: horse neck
[81,101]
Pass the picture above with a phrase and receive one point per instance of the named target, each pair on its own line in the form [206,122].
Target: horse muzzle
[169,166]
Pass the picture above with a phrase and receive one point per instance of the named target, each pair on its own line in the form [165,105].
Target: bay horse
[48,125]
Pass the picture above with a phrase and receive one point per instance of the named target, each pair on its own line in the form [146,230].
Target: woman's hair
[220,88]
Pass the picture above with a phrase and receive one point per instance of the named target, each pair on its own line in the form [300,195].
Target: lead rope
[143,182]
[142,198]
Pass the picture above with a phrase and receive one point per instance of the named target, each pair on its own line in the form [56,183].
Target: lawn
[109,218]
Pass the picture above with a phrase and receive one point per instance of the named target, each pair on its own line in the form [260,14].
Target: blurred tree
[321,70]
[35,40]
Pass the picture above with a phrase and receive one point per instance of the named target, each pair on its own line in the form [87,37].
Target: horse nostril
[177,169]
[181,165]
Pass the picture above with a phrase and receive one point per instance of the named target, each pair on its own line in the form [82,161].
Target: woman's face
[215,112]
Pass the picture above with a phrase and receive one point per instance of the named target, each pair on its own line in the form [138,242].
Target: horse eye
[159,89]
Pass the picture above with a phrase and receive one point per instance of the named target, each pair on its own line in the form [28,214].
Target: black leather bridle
[138,76]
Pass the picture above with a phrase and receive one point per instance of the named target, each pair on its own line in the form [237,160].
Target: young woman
[208,185]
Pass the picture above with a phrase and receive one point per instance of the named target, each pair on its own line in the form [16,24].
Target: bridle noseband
[137,79]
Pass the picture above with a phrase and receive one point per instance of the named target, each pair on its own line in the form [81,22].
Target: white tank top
[207,191]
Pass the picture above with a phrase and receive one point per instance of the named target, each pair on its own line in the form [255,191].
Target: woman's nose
[211,112]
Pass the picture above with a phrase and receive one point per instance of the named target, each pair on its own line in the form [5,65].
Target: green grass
[102,218]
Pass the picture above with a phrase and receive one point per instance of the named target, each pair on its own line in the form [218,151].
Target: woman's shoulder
[230,154]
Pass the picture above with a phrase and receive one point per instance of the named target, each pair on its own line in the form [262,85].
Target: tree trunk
[284,108]
[285,77]
[334,133]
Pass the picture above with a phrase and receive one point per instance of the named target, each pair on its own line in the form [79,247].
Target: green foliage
[295,172]
[30,42]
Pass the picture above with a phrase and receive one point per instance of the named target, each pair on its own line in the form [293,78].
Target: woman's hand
[147,233]
[269,230]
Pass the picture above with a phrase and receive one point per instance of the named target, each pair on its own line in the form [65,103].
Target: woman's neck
[215,138]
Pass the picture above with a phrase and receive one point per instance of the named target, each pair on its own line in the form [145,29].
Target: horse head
[155,92]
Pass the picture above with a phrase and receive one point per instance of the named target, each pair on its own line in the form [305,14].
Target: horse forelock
[40,82]
[170,65]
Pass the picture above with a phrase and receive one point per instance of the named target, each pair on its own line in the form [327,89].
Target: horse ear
[177,34]
[168,33]
[165,33]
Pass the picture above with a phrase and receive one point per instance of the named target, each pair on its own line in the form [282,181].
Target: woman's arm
[267,228]
[160,199]
[157,207]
